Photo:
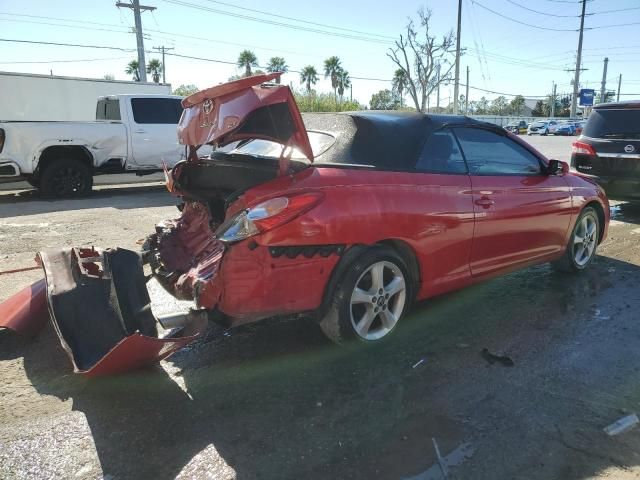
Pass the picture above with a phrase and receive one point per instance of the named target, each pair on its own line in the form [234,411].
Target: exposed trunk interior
[217,181]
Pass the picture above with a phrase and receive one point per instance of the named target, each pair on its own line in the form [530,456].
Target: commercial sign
[586,97]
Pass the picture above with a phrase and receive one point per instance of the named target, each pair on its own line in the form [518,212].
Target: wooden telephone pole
[137,8]
[163,49]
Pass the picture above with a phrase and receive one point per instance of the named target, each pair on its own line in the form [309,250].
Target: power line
[62,19]
[546,14]
[564,1]
[61,25]
[523,23]
[65,61]
[613,11]
[13,40]
[130,30]
[300,20]
[280,24]
[616,25]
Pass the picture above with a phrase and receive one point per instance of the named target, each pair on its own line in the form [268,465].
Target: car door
[522,214]
[446,224]
[153,127]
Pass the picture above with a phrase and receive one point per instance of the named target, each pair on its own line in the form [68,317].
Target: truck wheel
[371,297]
[65,177]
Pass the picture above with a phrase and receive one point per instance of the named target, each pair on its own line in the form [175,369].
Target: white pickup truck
[132,133]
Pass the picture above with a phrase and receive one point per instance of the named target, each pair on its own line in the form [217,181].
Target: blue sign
[586,97]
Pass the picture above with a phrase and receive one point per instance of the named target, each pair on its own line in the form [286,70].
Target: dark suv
[609,148]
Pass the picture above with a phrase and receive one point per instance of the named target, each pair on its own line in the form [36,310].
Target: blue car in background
[565,128]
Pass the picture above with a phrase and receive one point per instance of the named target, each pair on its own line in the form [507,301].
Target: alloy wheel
[378,300]
[585,239]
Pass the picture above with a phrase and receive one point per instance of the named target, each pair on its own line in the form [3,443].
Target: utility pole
[456,84]
[619,85]
[576,79]
[553,101]
[466,96]
[137,8]
[603,85]
[163,49]
[438,87]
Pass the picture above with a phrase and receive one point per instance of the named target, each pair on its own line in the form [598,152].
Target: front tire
[370,299]
[583,243]
[66,178]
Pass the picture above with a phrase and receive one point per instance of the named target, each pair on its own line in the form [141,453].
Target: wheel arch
[352,253]
[54,152]
[597,206]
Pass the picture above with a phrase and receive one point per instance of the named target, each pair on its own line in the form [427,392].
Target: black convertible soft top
[383,139]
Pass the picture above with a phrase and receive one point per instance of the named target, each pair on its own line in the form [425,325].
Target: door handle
[484,202]
[140,131]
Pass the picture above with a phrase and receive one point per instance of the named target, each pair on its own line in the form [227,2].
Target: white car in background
[545,127]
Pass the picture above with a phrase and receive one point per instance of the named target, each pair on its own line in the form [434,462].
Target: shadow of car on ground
[275,400]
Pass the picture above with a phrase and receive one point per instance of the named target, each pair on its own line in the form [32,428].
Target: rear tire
[66,178]
[583,243]
[370,299]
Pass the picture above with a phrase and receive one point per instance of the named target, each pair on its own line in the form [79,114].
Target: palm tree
[344,82]
[246,60]
[331,68]
[309,75]
[277,64]
[133,69]
[155,68]
[399,83]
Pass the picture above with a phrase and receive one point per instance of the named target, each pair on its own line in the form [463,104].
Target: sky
[503,55]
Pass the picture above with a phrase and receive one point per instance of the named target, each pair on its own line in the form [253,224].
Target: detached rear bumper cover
[100,309]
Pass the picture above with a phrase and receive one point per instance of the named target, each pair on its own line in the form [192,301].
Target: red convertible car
[350,217]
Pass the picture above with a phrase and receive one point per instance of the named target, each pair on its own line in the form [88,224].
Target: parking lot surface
[276,400]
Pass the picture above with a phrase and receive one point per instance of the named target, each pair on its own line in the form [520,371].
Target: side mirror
[557,167]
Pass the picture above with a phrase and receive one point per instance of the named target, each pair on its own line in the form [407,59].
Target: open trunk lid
[249,108]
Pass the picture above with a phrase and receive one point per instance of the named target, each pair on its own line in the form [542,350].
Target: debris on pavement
[100,309]
[418,363]
[451,460]
[441,462]
[622,425]
[493,358]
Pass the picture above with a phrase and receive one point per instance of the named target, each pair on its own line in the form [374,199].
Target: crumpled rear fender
[100,308]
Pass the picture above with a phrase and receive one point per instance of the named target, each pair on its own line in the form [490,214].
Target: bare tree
[418,54]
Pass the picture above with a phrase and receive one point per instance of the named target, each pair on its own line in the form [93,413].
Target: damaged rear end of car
[209,253]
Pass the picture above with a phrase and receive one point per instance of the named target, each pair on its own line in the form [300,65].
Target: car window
[156,110]
[488,153]
[108,109]
[320,142]
[612,123]
[441,154]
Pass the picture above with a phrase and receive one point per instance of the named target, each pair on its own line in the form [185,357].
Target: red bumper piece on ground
[26,312]
[100,309]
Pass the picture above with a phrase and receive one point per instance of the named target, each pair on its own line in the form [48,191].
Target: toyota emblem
[207,106]
[629,148]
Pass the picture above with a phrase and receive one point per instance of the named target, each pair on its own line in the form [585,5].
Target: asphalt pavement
[276,400]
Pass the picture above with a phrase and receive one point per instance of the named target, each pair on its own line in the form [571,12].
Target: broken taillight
[267,215]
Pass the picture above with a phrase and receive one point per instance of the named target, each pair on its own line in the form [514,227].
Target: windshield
[320,143]
[539,124]
[607,123]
